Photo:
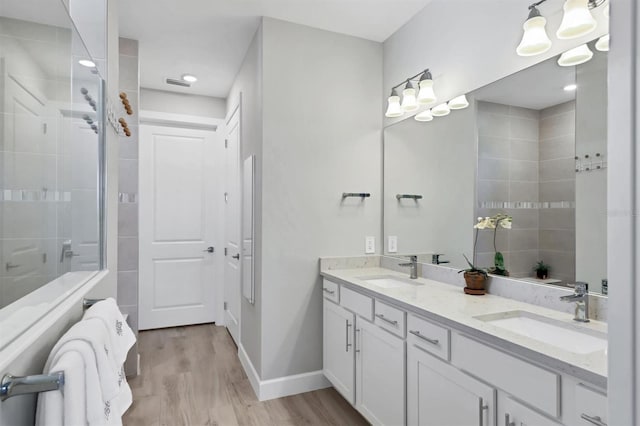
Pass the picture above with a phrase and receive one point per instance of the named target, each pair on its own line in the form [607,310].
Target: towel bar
[87,303]
[20,385]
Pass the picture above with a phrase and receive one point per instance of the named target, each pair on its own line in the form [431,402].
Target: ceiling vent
[177,82]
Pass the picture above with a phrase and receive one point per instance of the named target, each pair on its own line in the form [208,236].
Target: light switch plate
[392,244]
[369,245]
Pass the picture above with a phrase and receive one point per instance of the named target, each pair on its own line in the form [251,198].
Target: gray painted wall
[180,103]
[322,124]
[248,87]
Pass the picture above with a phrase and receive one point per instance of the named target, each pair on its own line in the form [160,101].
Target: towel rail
[87,303]
[20,385]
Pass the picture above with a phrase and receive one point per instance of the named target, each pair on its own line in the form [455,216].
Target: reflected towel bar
[87,303]
[410,196]
[20,385]
[356,194]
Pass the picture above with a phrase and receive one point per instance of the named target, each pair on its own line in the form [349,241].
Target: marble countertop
[448,305]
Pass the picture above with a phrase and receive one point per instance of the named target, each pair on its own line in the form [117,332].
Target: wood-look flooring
[192,376]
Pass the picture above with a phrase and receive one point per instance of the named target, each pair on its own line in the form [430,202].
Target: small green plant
[541,269]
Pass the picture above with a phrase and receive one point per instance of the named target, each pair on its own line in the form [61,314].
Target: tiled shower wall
[558,187]
[526,169]
[128,195]
[508,183]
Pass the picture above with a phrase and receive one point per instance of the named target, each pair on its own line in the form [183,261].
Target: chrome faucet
[414,266]
[435,259]
[581,297]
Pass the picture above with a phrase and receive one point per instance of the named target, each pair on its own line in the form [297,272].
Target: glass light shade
[577,20]
[459,102]
[440,110]
[603,43]
[424,116]
[534,40]
[409,102]
[576,56]
[393,108]
[426,95]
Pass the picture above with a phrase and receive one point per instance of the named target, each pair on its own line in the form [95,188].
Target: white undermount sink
[388,281]
[569,337]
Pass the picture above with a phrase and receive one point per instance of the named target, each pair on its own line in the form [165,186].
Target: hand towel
[96,335]
[122,337]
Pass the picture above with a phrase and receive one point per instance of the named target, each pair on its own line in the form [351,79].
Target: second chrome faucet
[413,265]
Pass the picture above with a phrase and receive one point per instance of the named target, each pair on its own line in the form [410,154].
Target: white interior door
[232,263]
[177,223]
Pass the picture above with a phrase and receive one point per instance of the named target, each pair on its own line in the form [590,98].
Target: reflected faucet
[581,297]
[435,259]
[413,265]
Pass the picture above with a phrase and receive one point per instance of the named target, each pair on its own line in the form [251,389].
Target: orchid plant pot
[475,280]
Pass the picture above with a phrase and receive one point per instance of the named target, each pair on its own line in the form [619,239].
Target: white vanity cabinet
[338,351]
[441,395]
[380,373]
[512,413]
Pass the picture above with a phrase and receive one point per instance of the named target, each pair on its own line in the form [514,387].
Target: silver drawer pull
[596,420]
[387,320]
[481,409]
[426,339]
[326,290]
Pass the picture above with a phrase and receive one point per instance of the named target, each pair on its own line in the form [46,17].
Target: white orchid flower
[506,223]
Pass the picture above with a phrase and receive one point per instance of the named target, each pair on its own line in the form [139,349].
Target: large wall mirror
[50,160]
[532,146]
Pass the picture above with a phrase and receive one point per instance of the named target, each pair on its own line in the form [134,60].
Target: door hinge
[226,197]
[44,128]
[225,251]
[226,143]
[225,306]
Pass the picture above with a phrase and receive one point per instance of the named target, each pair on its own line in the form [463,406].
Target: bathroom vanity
[420,352]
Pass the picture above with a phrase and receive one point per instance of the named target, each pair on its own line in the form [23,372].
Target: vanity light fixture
[87,63]
[459,102]
[570,87]
[189,78]
[424,116]
[426,95]
[577,19]
[393,108]
[440,110]
[535,39]
[409,101]
[576,56]
[603,43]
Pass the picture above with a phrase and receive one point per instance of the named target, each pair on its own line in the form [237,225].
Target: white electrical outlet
[369,245]
[392,244]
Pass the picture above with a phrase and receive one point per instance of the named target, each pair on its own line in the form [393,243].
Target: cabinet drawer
[513,413]
[527,382]
[428,336]
[331,290]
[590,407]
[390,318]
[356,302]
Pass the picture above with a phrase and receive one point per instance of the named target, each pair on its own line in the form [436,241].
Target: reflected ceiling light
[459,102]
[440,110]
[577,20]
[426,95]
[534,40]
[603,43]
[393,108]
[189,78]
[87,63]
[570,87]
[409,101]
[576,56]
[424,116]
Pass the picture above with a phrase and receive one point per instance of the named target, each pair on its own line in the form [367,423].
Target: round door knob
[208,250]
[236,256]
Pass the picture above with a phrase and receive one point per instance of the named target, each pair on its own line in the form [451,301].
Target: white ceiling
[210,38]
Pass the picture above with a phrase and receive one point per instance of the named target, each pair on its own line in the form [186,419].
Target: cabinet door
[441,395]
[338,351]
[512,413]
[380,375]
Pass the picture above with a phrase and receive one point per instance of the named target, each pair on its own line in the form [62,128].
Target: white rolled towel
[122,337]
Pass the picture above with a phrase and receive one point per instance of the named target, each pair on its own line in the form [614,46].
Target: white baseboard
[281,386]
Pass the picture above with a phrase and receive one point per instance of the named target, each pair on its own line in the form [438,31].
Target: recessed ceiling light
[87,63]
[570,87]
[189,78]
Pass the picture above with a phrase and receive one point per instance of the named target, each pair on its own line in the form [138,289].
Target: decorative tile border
[34,195]
[532,205]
